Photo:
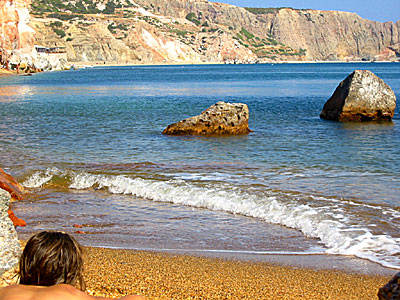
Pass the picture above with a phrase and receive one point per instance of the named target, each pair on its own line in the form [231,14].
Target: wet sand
[115,273]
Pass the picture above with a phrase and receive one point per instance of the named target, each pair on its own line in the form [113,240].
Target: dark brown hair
[51,258]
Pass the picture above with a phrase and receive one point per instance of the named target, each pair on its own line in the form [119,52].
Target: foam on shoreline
[324,218]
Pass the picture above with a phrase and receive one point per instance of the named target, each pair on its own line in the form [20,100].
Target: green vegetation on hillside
[268,10]
[39,7]
[263,10]
[65,17]
[56,24]
[112,27]
[57,28]
[57,6]
[247,34]
[192,18]
[265,47]
[178,32]
[59,32]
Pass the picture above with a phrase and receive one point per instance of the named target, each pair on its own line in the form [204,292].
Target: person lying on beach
[51,267]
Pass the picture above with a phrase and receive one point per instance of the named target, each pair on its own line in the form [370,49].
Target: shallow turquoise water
[89,143]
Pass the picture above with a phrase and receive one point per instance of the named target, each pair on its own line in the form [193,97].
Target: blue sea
[88,145]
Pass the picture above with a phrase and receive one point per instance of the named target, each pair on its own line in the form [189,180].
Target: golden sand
[4,72]
[115,273]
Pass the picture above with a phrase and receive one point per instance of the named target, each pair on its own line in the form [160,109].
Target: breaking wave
[339,225]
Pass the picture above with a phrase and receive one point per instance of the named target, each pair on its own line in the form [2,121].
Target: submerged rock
[391,291]
[362,96]
[10,248]
[219,119]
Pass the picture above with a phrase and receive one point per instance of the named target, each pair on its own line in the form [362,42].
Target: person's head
[51,258]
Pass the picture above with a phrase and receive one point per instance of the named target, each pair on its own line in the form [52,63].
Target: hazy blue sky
[376,10]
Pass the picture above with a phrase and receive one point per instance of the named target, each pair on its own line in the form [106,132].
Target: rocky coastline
[17,42]
[55,35]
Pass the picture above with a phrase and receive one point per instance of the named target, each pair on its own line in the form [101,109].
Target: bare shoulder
[60,291]
[68,292]
[28,292]
[15,291]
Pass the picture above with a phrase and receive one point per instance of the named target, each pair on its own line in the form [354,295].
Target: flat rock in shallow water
[10,248]
[362,96]
[219,119]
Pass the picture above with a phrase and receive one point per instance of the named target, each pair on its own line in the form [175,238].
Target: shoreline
[315,261]
[155,275]
[94,64]
[164,276]
[4,72]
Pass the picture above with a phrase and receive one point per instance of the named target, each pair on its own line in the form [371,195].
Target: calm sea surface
[89,145]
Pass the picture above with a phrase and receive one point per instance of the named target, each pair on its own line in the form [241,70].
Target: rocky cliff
[133,33]
[17,40]
[16,35]
[125,31]
[290,34]
[334,35]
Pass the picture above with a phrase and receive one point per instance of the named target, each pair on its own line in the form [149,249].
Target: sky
[375,10]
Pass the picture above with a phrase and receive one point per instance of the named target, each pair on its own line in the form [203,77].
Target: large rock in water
[362,96]
[219,119]
[10,248]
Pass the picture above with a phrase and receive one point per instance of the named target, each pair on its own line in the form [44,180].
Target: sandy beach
[115,273]
[4,72]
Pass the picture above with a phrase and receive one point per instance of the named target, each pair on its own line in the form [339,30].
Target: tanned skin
[59,291]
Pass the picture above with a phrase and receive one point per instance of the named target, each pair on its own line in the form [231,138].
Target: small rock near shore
[219,119]
[8,183]
[362,96]
[391,291]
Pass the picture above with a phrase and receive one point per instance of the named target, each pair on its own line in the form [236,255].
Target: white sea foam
[328,222]
[38,179]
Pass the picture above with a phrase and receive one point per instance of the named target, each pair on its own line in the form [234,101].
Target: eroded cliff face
[125,31]
[311,34]
[15,32]
[17,40]
[135,34]
[333,35]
